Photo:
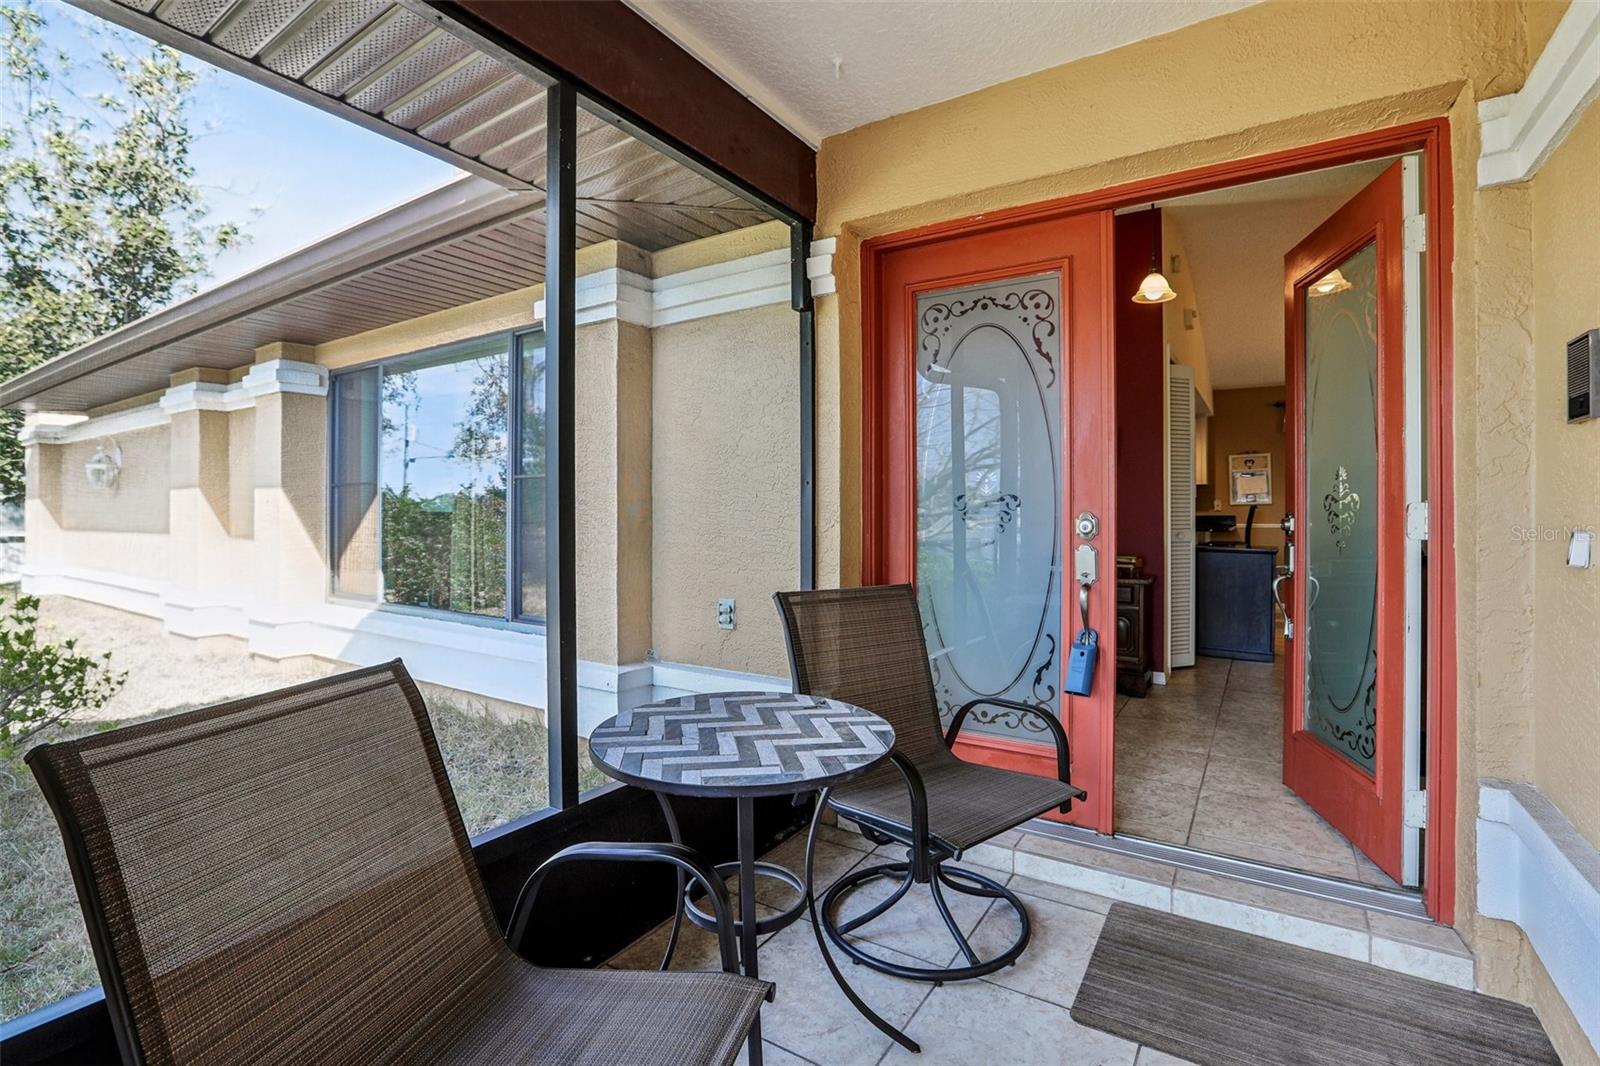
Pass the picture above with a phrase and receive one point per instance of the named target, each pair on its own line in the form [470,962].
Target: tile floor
[1200,763]
[1017,1016]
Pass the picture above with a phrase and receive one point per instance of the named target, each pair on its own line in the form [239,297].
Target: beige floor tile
[1052,964]
[1367,873]
[1274,899]
[697,948]
[1341,866]
[979,1022]
[1286,824]
[1241,740]
[1245,777]
[1165,735]
[1170,710]
[1168,833]
[843,837]
[1257,708]
[913,925]
[831,861]
[1419,932]
[1149,1056]
[1084,901]
[812,1017]
[1138,766]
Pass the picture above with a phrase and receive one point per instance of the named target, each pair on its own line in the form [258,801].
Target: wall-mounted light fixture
[1154,288]
[104,466]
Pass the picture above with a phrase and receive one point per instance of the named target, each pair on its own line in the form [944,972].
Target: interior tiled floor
[1200,763]
[1017,1016]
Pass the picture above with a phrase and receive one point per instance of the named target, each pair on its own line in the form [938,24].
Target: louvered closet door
[1180,516]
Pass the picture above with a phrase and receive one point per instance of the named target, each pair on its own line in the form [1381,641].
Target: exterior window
[427,512]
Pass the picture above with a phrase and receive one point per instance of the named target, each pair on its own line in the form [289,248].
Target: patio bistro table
[741,746]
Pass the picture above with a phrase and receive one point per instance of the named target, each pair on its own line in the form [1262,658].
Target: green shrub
[43,685]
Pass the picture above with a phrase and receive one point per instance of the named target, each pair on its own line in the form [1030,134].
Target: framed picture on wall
[1250,478]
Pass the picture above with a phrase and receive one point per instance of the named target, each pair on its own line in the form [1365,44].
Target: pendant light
[1330,283]
[1154,288]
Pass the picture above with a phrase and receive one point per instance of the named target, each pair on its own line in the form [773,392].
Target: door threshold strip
[1388,901]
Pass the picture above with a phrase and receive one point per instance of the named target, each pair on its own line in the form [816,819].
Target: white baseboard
[1537,870]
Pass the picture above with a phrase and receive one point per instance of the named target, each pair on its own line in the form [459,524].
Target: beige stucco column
[613,491]
[41,515]
[290,395]
[197,503]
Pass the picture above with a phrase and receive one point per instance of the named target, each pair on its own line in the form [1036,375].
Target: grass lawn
[497,768]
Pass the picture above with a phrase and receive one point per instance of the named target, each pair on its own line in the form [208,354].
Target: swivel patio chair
[865,646]
[286,878]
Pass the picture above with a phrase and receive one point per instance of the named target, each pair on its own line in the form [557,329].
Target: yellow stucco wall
[1566,301]
[1186,347]
[727,486]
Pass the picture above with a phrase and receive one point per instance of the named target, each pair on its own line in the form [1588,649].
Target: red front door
[1344,584]
[987,420]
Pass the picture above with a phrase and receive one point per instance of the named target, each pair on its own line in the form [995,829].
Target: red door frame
[1432,139]
[1367,809]
[1079,247]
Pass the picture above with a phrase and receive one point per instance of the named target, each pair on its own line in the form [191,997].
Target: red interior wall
[1141,444]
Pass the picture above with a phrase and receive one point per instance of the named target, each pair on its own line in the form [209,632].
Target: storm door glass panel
[988,412]
[1339,553]
[443,457]
[530,476]
[354,490]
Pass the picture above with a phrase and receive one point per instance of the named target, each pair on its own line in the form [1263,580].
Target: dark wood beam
[615,54]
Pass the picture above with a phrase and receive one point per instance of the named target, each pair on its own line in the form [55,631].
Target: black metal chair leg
[878,908]
[677,906]
[950,921]
[816,928]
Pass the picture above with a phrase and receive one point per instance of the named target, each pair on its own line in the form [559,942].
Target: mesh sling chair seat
[865,646]
[286,878]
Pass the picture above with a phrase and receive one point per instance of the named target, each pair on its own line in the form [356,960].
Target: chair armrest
[685,859]
[1057,732]
[919,816]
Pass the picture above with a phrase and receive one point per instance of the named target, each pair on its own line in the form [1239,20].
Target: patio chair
[286,878]
[865,646]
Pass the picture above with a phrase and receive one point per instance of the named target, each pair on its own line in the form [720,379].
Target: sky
[286,172]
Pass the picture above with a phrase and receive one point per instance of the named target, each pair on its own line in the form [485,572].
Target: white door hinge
[1416,233]
[1417,520]
[1416,809]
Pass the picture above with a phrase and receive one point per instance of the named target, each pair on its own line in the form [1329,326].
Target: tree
[42,685]
[101,219]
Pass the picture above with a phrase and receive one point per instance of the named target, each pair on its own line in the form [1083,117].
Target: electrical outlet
[725,614]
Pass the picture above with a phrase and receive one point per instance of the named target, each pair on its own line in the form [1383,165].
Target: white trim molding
[1537,870]
[759,280]
[1520,130]
[498,662]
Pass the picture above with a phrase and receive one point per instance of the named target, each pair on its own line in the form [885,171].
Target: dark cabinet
[1233,602]
[1133,635]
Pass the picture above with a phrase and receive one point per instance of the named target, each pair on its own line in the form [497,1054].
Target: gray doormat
[1221,998]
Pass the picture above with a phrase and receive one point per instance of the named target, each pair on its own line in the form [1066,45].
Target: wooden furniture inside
[1133,635]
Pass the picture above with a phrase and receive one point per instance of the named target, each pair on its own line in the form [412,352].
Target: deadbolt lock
[1088,525]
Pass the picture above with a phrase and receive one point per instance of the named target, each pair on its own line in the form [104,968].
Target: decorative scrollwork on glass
[1034,308]
[1341,506]
[997,511]
[1043,691]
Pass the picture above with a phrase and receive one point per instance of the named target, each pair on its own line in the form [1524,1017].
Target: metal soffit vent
[399,69]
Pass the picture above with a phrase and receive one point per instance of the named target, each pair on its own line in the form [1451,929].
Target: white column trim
[758,280]
[134,418]
[1537,870]
[286,375]
[819,266]
[1520,130]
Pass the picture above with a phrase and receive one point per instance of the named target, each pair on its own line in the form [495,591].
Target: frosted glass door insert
[1340,545]
[988,438]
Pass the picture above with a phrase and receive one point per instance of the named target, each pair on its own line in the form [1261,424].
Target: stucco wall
[1566,301]
[137,503]
[726,473]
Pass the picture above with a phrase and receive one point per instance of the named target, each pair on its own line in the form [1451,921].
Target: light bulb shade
[1329,283]
[1154,290]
